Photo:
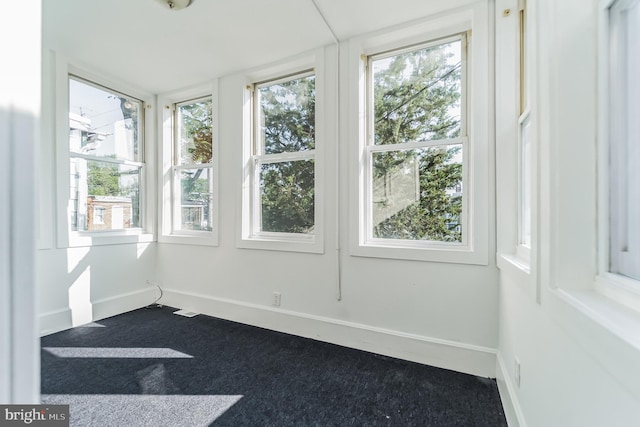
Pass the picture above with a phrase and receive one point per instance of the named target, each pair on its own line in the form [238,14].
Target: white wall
[578,351]
[436,313]
[80,284]
[578,368]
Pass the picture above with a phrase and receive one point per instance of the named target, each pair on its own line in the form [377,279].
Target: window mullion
[416,145]
[89,157]
[193,166]
[285,157]
[408,98]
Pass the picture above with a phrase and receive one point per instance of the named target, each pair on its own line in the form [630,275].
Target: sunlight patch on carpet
[149,410]
[117,353]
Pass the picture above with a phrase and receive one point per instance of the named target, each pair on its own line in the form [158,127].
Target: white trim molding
[65,236]
[508,396]
[62,319]
[246,237]
[456,356]
[20,120]
[474,22]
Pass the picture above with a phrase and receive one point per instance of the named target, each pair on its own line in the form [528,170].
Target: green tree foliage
[287,197]
[108,179]
[196,147]
[288,119]
[197,138]
[102,179]
[417,98]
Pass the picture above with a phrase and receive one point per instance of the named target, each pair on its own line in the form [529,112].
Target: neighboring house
[108,213]
[91,212]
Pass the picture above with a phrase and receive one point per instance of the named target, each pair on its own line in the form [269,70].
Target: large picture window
[282,161]
[105,158]
[420,140]
[416,141]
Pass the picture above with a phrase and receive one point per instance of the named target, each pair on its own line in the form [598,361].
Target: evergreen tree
[196,148]
[416,98]
[288,196]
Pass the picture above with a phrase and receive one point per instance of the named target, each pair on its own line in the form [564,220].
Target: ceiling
[158,50]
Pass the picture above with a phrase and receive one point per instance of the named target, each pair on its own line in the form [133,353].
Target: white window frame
[623,289]
[371,149]
[177,167]
[473,21]
[248,236]
[170,198]
[526,149]
[517,129]
[66,237]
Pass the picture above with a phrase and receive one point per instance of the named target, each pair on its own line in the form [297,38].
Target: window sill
[78,239]
[621,289]
[607,330]
[308,245]
[519,268]
[189,239]
[619,320]
[436,253]
[515,264]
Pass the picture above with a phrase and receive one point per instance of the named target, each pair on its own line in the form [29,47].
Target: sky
[101,107]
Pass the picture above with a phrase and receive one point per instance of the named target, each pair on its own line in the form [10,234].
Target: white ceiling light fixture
[175,4]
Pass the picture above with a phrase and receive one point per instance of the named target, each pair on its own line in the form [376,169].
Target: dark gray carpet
[150,367]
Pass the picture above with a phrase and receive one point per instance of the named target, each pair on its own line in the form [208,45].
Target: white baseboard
[59,320]
[467,358]
[55,321]
[123,303]
[512,410]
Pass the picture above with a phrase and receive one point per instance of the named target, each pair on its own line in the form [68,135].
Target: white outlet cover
[276,299]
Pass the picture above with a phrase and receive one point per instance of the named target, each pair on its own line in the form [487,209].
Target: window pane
[417,95]
[196,199]
[287,196]
[417,194]
[625,140]
[287,116]
[195,133]
[104,196]
[103,123]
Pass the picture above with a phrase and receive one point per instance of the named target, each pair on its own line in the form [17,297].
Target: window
[280,199]
[193,166]
[416,142]
[98,214]
[525,139]
[624,139]
[189,166]
[419,124]
[105,158]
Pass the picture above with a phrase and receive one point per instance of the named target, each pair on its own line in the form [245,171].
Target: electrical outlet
[516,375]
[276,299]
